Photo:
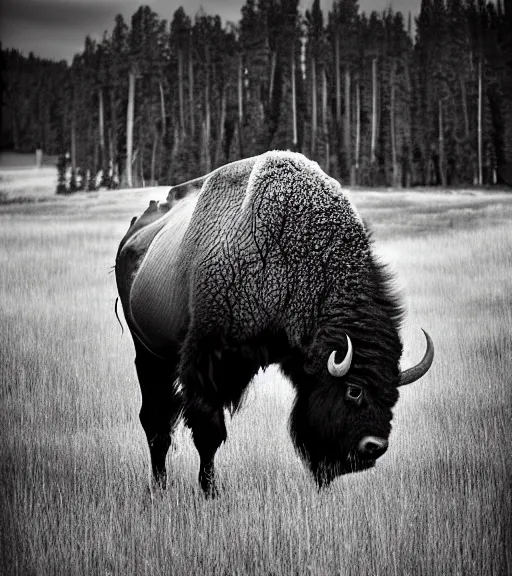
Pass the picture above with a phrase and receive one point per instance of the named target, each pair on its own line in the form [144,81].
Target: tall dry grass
[74,462]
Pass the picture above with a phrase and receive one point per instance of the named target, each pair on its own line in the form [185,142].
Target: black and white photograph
[256,288]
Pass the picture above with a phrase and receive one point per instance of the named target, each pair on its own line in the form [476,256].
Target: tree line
[368,98]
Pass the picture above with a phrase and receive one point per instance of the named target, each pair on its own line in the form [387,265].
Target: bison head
[346,389]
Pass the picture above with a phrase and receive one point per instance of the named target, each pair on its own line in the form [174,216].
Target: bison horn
[416,372]
[342,368]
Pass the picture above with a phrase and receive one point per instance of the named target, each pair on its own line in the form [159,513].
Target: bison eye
[355,394]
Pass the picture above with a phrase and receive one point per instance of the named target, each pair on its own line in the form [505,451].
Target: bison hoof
[159,481]
[209,487]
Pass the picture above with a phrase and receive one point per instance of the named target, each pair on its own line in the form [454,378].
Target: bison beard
[326,428]
[268,263]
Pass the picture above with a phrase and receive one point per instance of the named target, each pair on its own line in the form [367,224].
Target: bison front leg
[208,431]
[203,413]
[161,405]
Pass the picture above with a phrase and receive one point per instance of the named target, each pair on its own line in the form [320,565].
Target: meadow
[74,465]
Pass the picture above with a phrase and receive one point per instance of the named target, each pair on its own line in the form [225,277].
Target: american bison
[263,261]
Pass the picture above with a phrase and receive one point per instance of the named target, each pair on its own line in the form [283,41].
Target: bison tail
[117,316]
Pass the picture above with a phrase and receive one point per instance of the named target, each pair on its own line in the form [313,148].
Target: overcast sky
[57,28]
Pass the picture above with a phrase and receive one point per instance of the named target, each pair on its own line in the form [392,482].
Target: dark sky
[57,28]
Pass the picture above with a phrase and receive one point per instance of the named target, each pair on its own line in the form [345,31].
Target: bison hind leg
[162,404]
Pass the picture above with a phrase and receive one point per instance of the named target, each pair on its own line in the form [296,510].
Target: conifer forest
[378,99]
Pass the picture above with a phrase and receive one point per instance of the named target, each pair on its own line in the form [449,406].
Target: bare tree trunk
[441,145]
[396,177]
[394,165]
[141,170]
[338,79]
[313,106]
[405,172]
[89,178]
[73,142]
[208,121]
[294,103]
[464,99]
[180,90]
[346,135]
[240,91]
[374,110]
[392,124]
[175,148]
[273,65]
[162,108]
[240,107]
[129,127]
[110,152]
[191,88]
[101,128]
[113,135]
[325,132]
[153,157]
[222,121]
[240,139]
[358,128]
[163,130]
[480,175]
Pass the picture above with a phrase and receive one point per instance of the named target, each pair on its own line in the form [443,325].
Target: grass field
[22,181]
[73,457]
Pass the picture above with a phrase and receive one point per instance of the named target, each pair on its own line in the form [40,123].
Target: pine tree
[424,59]
[184,157]
[117,49]
[343,31]
[288,78]
[315,62]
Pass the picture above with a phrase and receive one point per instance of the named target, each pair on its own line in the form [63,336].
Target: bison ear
[314,361]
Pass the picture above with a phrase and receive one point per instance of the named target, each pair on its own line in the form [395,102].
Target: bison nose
[372,447]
